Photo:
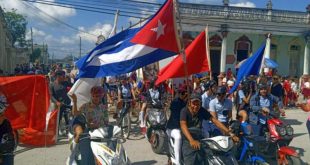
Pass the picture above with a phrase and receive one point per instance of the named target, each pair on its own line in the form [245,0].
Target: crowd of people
[201,103]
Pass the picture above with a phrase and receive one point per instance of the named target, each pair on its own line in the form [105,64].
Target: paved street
[140,152]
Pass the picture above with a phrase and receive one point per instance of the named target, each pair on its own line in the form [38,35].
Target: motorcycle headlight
[163,118]
[289,130]
[152,117]
[281,131]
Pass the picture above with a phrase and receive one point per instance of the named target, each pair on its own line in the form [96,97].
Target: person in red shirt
[287,91]
[228,74]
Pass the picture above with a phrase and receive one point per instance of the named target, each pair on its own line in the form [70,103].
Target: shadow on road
[299,134]
[22,150]
[293,122]
[135,133]
[148,162]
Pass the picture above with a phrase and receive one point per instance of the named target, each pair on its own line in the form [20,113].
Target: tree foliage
[36,54]
[17,24]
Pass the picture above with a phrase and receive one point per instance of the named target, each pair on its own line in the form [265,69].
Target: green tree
[35,55]
[17,24]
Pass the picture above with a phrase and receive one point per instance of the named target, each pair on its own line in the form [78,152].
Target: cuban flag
[133,48]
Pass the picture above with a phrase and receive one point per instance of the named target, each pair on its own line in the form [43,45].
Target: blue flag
[117,55]
[250,67]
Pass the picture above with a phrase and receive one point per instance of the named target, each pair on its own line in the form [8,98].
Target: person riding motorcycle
[95,115]
[243,99]
[125,92]
[7,142]
[192,117]
[221,108]
[143,87]
[59,95]
[153,97]
[173,125]
[265,100]
[210,93]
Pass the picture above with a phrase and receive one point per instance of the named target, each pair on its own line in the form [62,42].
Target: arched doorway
[215,43]
[243,47]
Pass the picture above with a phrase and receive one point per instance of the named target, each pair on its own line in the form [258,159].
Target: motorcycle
[106,148]
[247,153]
[218,149]
[278,136]
[156,128]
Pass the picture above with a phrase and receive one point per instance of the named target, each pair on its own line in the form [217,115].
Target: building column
[223,56]
[306,56]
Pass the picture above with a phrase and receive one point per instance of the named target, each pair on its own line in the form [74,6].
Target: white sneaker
[71,161]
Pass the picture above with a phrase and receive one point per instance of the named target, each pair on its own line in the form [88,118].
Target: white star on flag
[160,29]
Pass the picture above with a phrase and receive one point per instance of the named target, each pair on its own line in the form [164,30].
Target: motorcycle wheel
[294,160]
[261,163]
[157,143]
[134,115]
[126,126]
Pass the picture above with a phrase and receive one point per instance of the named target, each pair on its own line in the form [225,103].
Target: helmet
[262,86]
[195,96]
[3,103]
[209,84]
[221,90]
[97,90]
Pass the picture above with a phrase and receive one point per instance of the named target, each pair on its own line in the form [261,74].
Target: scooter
[278,136]
[106,148]
[156,128]
[218,149]
[247,152]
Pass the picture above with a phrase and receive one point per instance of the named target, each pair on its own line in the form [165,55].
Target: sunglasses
[184,93]
[221,94]
[196,102]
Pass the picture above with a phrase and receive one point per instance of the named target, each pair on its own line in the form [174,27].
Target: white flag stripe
[126,54]
[81,89]
[103,50]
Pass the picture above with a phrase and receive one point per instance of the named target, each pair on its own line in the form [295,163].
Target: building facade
[7,51]
[237,32]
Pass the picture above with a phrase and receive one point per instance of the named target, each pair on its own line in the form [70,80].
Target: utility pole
[80,47]
[52,58]
[31,41]
[113,31]
[31,44]
[43,54]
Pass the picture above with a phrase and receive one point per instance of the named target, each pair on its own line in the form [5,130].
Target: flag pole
[180,43]
[208,51]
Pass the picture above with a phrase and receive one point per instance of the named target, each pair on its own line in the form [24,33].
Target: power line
[143,2]
[92,7]
[59,21]
[85,8]
[124,7]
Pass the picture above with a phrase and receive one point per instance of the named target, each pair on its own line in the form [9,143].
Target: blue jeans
[86,152]
[7,159]
[308,127]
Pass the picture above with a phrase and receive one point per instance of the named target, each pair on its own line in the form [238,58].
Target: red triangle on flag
[159,32]
[196,61]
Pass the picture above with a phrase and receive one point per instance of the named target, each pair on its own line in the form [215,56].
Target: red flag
[29,100]
[159,31]
[196,57]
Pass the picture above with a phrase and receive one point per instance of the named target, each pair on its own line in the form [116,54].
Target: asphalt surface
[140,152]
